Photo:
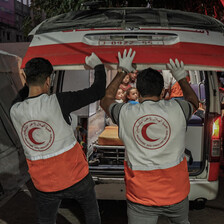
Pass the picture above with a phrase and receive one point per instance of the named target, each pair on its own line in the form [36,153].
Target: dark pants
[141,214]
[83,192]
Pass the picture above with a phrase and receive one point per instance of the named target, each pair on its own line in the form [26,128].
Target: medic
[153,132]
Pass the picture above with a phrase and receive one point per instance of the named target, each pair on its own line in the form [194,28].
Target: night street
[126,94]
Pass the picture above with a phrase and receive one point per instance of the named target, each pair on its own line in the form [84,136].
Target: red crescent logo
[157,125]
[45,131]
[30,134]
[145,136]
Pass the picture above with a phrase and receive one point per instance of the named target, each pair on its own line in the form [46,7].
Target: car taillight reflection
[216,129]
[215,150]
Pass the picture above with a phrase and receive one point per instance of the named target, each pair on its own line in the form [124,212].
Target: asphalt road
[21,210]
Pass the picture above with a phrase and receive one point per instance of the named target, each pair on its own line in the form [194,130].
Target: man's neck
[36,90]
[152,98]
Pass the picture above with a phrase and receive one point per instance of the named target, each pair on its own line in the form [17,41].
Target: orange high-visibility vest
[55,158]
[156,172]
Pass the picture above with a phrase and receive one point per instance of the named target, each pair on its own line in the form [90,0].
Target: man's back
[42,123]
[55,158]
[152,128]
[155,144]
[156,174]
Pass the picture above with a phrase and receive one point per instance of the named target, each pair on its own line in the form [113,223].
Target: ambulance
[156,35]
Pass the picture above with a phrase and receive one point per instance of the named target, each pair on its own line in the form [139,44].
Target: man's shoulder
[116,106]
[174,104]
[42,98]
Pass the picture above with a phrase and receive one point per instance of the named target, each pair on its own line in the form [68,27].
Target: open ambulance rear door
[156,35]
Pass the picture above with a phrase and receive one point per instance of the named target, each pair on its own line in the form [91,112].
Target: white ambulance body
[156,35]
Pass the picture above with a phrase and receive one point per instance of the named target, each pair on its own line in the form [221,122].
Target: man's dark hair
[37,70]
[150,82]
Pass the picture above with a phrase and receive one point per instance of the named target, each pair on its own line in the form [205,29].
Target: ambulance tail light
[216,139]
[215,149]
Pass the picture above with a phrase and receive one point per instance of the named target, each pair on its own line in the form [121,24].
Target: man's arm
[71,101]
[125,64]
[111,91]
[178,72]
[189,94]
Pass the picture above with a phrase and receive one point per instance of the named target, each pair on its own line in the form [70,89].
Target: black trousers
[83,192]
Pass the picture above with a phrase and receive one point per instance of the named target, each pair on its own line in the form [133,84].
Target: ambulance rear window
[124,18]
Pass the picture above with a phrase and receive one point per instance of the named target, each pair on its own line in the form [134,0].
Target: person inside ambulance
[56,161]
[172,87]
[153,132]
[133,76]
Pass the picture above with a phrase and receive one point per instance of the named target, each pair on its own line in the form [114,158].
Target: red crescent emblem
[145,136]
[30,134]
[33,140]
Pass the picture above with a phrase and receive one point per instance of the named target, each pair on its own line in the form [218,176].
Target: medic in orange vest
[57,164]
[172,87]
[153,132]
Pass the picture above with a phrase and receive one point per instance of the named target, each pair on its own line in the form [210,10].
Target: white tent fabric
[13,168]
